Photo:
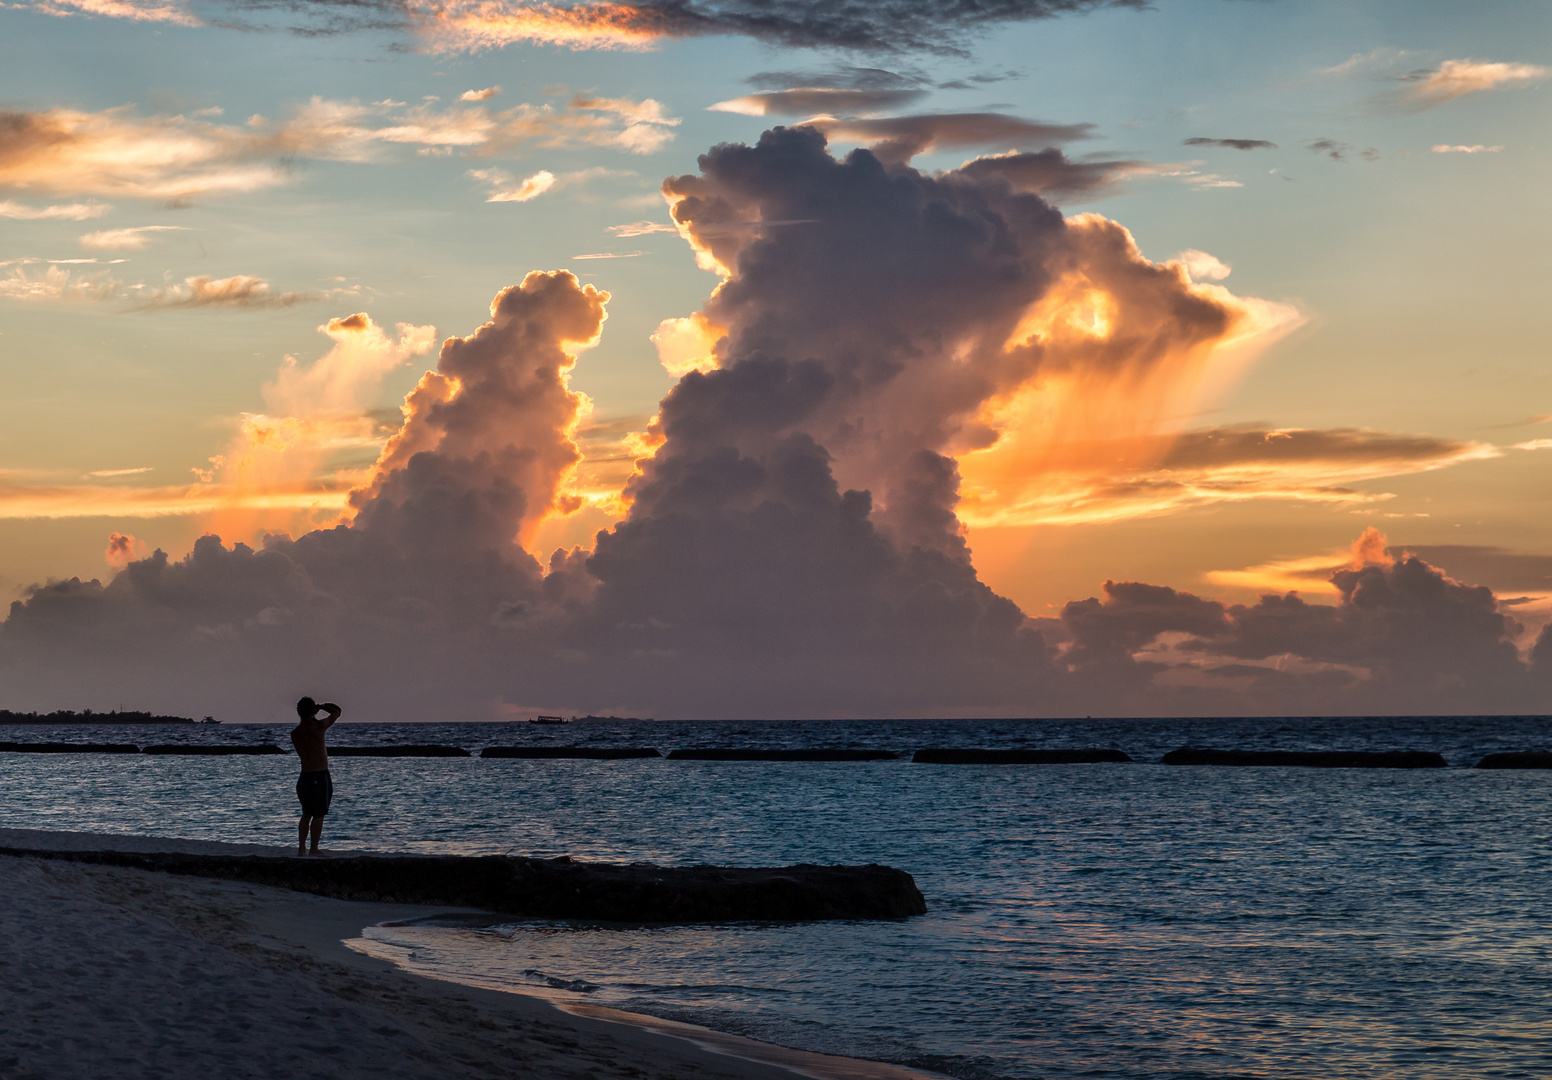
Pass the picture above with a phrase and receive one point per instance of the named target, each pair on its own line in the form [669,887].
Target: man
[314,787]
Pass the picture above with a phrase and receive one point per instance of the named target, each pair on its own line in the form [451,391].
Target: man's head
[307,709]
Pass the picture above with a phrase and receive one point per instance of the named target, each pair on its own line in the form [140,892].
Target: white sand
[108,972]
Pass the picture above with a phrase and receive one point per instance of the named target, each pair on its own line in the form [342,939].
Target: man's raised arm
[333,710]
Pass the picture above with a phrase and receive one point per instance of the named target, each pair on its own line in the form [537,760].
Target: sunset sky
[1294,326]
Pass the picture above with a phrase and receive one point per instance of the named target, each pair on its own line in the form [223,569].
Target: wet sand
[108,971]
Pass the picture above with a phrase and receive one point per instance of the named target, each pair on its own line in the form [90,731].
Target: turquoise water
[1105,920]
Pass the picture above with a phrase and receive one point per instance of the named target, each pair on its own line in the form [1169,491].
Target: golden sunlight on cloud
[687,344]
[316,436]
[503,189]
[1119,370]
[1310,575]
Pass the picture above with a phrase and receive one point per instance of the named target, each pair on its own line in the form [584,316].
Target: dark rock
[68,748]
[1523,759]
[1309,759]
[404,750]
[205,750]
[557,888]
[782,755]
[951,756]
[595,753]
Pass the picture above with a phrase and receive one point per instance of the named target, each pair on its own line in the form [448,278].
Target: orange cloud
[482,24]
[1120,352]
[165,11]
[315,428]
[122,550]
[33,500]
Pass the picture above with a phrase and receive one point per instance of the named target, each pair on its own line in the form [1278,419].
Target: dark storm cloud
[1232,144]
[793,545]
[1404,637]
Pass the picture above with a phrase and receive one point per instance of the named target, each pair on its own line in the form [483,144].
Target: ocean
[1118,920]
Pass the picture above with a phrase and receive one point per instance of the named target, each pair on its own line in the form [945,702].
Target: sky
[712,358]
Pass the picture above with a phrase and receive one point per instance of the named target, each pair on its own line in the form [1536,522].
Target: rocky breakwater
[1308,759]
[557,888]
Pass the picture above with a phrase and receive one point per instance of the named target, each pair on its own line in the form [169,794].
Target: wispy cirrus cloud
[1428,87]
[900,138]
[114,152]
[504,187]
[1337,151]
[163,11]
[805,101]
[883,26]
[92,281]
[204,291]
[9,208]
[1052,174]
[1446,148]
[177,158]
[130,239]
[880,26]
[640,228]
[1232,144]
[1120,479]
[58,284]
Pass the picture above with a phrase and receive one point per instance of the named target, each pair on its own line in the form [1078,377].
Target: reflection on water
[1128,921]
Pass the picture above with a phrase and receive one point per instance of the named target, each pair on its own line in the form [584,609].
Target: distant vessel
[549,720]
[210,720]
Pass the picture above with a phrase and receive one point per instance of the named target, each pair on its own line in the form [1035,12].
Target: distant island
[67,716]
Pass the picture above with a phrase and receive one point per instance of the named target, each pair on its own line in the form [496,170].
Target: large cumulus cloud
[792,544]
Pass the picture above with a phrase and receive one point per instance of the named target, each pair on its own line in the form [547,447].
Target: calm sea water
[1086,921]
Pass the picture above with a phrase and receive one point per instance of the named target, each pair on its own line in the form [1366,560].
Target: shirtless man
[314,787]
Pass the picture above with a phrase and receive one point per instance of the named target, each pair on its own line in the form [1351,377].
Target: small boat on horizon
[209,720]
[550,720]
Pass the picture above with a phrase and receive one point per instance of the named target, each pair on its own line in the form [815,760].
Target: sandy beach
[127,973]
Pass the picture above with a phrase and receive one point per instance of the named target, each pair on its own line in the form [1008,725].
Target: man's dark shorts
[316,790]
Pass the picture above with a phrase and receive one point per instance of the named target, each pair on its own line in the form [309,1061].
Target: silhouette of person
[314,787]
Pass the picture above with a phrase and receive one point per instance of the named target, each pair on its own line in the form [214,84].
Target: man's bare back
[307,737]
[315,787]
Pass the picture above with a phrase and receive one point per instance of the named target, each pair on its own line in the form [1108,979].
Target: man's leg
[317,832]
[301,832]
